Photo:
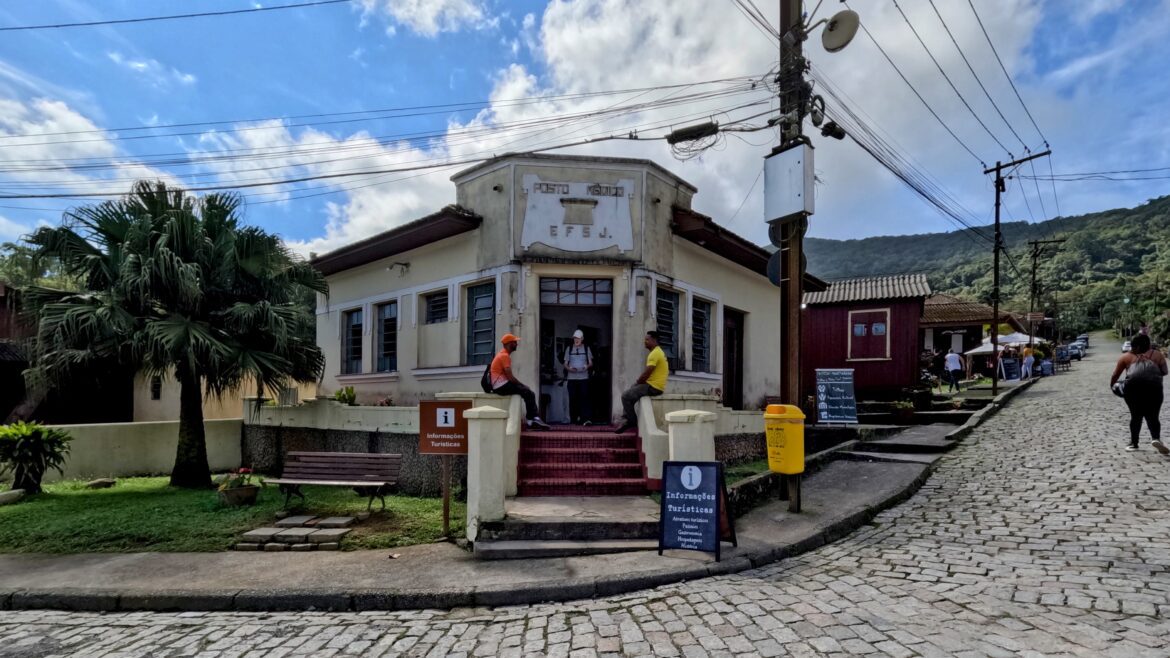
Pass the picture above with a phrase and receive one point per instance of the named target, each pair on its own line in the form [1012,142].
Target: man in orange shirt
[505,383]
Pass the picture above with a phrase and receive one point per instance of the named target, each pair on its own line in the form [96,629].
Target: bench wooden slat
[338,475]
[346,455]
[345,465]
[371,470]
[331,483]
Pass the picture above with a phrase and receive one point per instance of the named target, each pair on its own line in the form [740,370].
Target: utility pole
[792,108]
[1037,251]
[1000,187]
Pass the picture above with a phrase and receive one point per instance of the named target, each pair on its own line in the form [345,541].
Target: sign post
[694,508]
[442,430]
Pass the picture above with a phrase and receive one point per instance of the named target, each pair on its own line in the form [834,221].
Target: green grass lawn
[144,514]
[744,470]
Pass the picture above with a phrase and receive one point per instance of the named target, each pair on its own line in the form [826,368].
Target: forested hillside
[1109,257]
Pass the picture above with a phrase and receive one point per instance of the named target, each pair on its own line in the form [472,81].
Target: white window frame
[849,335]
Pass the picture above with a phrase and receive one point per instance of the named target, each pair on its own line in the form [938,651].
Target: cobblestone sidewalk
[1037,536]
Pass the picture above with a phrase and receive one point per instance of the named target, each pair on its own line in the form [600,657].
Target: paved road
[1038,536]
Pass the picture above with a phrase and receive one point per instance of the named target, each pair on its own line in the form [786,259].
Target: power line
[425,164]
[976,75]
[948,78]
[1099,173]
[249,153]
[420,110]
[123,21]
[1053,183]
[766,29]
[746,196]
[1032,165]
[910,173]
[495,148]
[919,95]
[1006,74]
[740,81]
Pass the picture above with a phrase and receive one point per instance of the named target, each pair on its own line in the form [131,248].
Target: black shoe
[624,428]
[538,424]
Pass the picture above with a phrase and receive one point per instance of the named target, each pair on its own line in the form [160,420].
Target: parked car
[1126,346]
[1083,338]
[1076,351]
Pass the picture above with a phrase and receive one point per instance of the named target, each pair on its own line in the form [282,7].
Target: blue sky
[1089,70]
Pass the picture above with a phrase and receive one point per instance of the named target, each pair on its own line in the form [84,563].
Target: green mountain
[1110,273]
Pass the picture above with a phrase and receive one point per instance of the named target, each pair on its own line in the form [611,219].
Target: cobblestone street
[1039,535]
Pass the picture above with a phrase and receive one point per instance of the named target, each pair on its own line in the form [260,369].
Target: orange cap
[509,338]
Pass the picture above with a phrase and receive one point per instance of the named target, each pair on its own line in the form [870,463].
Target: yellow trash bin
[784,429]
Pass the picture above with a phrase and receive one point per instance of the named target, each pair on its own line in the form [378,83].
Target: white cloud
[10,230]
[430,17]
[40,162]
[154,72]
[595,45]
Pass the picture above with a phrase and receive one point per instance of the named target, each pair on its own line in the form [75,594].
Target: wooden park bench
[370,474]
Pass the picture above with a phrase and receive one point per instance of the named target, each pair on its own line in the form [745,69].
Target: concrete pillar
[514,405]
[655,443]
[692,435]
[485,466]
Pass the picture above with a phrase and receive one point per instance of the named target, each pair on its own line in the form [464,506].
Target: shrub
[346,395]
[29,450]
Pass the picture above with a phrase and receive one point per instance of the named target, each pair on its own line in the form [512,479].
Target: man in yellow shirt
[651,382]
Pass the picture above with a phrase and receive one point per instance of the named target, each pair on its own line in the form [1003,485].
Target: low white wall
[333,415]
[125,449]
[729,421]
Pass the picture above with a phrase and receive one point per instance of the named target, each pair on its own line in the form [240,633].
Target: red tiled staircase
[580,461]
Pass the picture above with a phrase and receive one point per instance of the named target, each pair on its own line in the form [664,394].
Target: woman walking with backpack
[1144,369]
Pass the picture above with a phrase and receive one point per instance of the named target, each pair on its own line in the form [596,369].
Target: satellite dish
[840,30]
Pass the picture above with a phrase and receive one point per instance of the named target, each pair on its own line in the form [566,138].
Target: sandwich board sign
[694,508]
[836,401]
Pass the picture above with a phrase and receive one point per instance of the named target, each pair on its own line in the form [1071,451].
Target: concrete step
[577,440]
[917,439]
[918,418]
[579,471]
[514,550]
[566,530]
[581,487]
[580,455]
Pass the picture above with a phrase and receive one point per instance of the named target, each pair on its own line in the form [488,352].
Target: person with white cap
[578,361]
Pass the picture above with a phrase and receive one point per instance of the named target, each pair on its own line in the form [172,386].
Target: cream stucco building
[540,246]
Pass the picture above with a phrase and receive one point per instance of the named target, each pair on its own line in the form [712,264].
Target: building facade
[540,246]
[868,324]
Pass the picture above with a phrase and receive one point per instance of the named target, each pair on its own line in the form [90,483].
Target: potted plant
[903,410]
[236,488]
[29,450]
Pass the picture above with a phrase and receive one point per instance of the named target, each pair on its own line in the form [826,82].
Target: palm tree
[175,286]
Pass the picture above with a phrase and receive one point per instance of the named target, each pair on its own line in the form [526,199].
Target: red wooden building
[870,325]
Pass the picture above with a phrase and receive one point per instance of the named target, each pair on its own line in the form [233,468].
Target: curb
[997,403]
[487,596]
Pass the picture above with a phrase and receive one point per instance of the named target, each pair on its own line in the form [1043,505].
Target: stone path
[1037,536]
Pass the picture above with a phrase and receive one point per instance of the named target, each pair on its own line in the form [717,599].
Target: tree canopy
[1108,257]
[176,286]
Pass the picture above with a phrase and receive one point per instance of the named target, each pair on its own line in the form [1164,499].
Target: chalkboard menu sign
[694,508]
[836,402]
[1009,368]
